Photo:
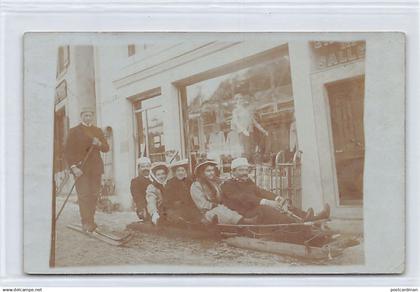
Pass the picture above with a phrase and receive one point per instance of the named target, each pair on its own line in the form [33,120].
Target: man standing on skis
[82,152]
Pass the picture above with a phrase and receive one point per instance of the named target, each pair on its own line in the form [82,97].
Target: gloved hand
[76,171]
[283,203]
[96,142]
[141,214]
[155,218]
[280,199]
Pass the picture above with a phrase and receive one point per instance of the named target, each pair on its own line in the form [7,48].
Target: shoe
[92,227]
[324,214]
[309,215]
[85,227]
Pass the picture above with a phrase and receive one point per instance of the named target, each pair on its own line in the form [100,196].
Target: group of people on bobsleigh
[207,199]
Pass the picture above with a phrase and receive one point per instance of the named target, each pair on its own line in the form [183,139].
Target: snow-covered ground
[75,249]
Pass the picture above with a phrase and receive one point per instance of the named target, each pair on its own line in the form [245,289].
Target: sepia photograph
[216,153]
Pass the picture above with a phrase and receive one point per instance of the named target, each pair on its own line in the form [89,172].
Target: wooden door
[346,100]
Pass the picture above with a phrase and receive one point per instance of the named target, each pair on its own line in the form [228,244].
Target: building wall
[116,113]
[79,76]
[312,189]
[319,180]
[165,67]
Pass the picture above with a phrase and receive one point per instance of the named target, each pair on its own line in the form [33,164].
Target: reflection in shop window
[149,122]
[248,113]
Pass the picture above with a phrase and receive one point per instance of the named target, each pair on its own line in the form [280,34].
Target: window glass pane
[150,136]
[245,113]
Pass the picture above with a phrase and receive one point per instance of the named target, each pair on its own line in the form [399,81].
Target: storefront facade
[273,102]
[332,88]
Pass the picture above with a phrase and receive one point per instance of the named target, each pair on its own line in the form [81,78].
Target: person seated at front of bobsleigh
[155,191]
[206,194]
[178,202]
[241,194]
[138,186]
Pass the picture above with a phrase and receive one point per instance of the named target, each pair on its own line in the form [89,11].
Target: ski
[113,236]
[105,237]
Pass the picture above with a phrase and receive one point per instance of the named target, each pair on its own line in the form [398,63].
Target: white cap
[143,160]
[87,109]
[238,162]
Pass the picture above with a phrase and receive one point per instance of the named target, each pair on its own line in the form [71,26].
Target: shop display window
[149,123]
[248,113]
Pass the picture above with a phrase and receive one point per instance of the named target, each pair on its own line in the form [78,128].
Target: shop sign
[330,54]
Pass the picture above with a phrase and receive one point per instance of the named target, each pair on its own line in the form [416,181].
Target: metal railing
[284,179]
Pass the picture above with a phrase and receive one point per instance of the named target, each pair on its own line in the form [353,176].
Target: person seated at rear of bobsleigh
[206,194]
[155,191]
[138,186]
[241,194]
[178,203]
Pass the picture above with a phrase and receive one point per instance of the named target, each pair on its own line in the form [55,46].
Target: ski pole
[74,184]
[173,157]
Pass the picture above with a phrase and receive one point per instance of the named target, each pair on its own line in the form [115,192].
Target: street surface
[76,249]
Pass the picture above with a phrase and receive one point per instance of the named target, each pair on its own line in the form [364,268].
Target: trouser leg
[95,188]
[83,189]
[270,215]
[298,212]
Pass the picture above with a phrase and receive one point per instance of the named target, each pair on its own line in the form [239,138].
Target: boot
[324,214]
[215,220]
[309,215]
[85,227]
[92,227]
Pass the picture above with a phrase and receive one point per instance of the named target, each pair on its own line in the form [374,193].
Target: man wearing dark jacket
[241,194]
[82,152]
[139,185]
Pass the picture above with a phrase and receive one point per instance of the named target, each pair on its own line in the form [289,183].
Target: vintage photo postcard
[264,153]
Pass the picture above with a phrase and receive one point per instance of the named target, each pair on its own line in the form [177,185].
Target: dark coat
[178,199]
[78,143]
[138,188]
[243,196]
[177,192]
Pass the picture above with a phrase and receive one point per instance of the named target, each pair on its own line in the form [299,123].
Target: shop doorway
[149,128]
[346,101]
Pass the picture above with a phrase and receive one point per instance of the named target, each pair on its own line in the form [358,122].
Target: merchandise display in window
[247,113]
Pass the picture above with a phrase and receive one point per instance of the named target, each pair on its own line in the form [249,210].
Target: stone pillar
[312,194]
[171,118]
